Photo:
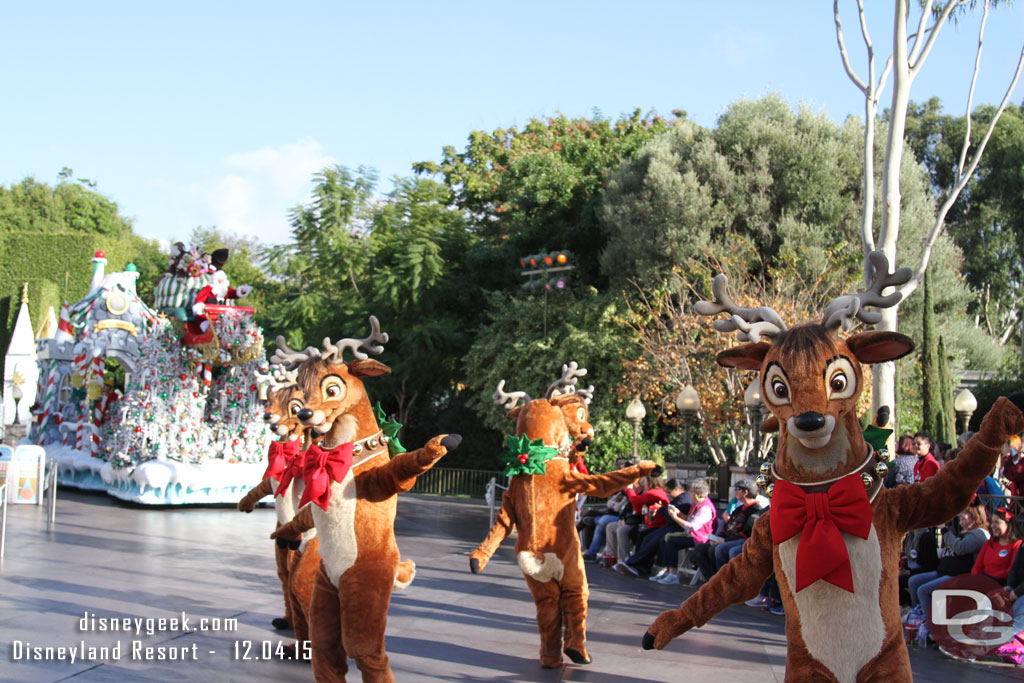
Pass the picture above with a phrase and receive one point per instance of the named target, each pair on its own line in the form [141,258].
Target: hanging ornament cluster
[177,407]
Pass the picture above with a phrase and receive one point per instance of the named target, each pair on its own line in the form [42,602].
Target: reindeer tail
[404,574]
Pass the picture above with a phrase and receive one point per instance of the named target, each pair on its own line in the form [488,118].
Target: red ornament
[234,442]
[138,429]
[182,377]
[147,386]
[100,254]
[195,394]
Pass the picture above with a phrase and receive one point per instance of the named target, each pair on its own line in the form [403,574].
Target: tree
[539,188]
[908,58]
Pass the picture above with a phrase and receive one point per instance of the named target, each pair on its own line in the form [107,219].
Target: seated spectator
[659,525]
[997,555]
[716,552]
[1011,598]
[597,524]
[696,526]
[619,535]
[901,470]
[957,555]
[926,465]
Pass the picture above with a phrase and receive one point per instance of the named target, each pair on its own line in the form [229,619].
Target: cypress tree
[947,427]
[931,403]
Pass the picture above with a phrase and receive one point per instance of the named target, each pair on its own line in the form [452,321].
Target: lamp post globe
[688,403]
[635,413]
[964,405]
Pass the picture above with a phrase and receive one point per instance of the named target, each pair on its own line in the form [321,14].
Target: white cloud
[259,187]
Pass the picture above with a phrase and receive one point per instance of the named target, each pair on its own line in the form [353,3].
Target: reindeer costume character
[540,501]
[350,497]
[833,535]
[297,567]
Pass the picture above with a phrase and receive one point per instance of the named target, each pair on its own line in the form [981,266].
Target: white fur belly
[284,505]
[337,528]
[842,630]
[294,494]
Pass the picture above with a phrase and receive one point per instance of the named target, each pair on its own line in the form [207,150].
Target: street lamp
[635,412]
[964,404]
[688,403]
[752,402]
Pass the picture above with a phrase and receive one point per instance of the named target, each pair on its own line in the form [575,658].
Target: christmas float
[155,405]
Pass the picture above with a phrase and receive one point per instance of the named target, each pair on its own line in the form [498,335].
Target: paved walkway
[109,559]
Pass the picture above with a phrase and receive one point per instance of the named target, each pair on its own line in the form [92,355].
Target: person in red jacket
[997,555]
[926,464]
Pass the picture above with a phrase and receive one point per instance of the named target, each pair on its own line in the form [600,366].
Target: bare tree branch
[922,29]
[970,93]
[917,60]
[846,58]
[961,183]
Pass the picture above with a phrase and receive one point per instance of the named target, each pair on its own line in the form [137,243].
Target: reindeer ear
[878,346]
[514,413]
[770,425]
[368,368]
[563,399]
[744,356]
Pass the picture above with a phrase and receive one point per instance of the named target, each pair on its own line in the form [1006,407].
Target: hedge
[41,259]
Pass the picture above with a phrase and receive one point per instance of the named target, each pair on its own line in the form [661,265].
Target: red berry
[523,457]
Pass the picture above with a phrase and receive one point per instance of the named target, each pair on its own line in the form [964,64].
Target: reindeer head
[560,418]
[335,404]
[284,400]
[811,379]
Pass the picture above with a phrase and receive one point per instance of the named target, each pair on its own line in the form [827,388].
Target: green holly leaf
[390,429]
[876,436]
[522,456]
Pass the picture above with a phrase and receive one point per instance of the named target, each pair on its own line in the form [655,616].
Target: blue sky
[217,113]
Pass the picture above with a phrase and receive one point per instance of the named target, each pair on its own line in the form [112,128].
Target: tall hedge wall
[41,259]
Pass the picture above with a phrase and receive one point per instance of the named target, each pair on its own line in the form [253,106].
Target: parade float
[155,405]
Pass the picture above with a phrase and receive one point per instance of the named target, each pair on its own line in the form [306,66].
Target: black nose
[809,422]
[266,417]
[305,414]
[584,443]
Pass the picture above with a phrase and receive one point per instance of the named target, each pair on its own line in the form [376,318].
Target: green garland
[523,456]
[390,429]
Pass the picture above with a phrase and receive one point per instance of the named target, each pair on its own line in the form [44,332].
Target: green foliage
[31,206]
[539,188]
[1008,381]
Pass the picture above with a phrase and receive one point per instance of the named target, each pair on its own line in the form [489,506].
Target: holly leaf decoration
[390,429]
[876,436]
[522,456]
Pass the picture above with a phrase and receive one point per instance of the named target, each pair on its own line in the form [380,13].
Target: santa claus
[219,292]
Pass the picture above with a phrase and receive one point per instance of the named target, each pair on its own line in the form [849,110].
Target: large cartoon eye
[294,406]
[332,387]
[581,414]
[776,386]
[840,379]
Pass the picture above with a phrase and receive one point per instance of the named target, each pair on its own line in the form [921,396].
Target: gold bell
[761,481]
[357,449]
[384,438]
[768,491]
[883,454]
[866,478]
[766,468]
[372,443]
[881,469]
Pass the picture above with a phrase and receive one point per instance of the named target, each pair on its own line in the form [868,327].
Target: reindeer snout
[305,414]
[267,417]
[809,421]
[584,443]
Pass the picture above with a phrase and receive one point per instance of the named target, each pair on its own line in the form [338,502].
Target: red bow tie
[820,517]
[279,456]
[292,470]
[321,468]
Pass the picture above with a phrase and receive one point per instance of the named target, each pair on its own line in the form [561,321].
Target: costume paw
[477,563]
[667,626]
[199,309]
[288,544]
[451,441]
[286,538]
[657,471]
[280,623]
[245,506]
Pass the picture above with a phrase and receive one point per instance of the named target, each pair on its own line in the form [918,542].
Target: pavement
[104,559]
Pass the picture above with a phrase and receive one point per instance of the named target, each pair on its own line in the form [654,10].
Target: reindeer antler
[290,359]
[841,312]
[752,323]
[586,394]
[278,378]
[508,400]
[566,384]
[373,344]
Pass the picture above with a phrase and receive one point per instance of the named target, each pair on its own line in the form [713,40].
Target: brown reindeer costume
[351,485]
[540,501]
[833,536]
[296,567]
